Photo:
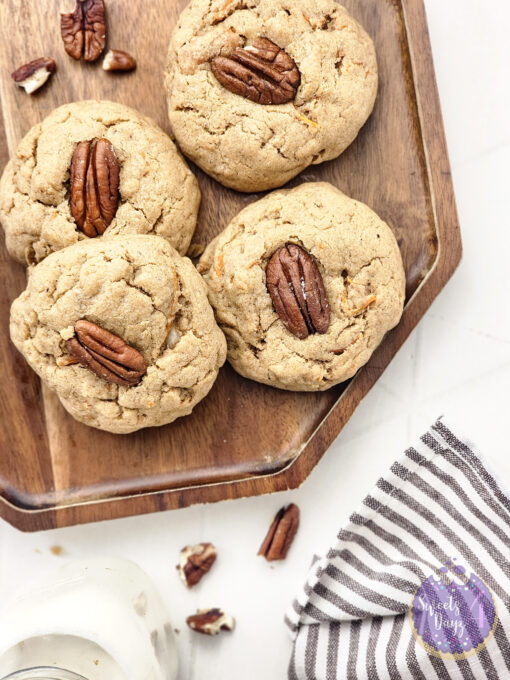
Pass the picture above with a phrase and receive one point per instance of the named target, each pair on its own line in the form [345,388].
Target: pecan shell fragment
[262,72]
[195,562]
[84,30]
[94,186]
[118,60]
[210,621]
[297,290]
[107,355]
[281,534]
[33,75]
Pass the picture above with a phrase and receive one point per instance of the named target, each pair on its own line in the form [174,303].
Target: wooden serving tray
[244,438]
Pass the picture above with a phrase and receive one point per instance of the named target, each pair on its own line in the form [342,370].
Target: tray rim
[292,475]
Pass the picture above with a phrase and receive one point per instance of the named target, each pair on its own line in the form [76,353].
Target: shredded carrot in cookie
[352,282]
[227,5]
[355,312]
[306,120]
[66,361]
[307,19]
[219,265]
[219,13]
[253,264]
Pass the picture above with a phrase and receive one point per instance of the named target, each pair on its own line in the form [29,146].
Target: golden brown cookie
[254,115]
[304,283]
[122,330]
[156,193]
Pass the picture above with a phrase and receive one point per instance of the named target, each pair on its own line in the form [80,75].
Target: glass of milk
[99,619]
[44,674]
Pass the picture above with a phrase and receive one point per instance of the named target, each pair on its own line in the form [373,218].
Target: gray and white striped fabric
[439,504]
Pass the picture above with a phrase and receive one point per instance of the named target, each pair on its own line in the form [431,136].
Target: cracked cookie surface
[248,146]
[361,267]
[158,192]
[139,288]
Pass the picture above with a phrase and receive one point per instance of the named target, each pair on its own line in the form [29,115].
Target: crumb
[56,550]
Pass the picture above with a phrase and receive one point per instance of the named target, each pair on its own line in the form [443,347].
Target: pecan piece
[107,355]
[94,186]
[281,534]
[84,30]
[262,72]
[195,562]
[117,60]
[33,75]
[210,621]
[297,290]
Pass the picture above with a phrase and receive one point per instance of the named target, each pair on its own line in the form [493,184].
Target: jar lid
[44,673]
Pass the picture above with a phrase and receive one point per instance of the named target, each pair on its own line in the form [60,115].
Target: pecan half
[262,72]
[84,30]
[195,562]
[94,186]
[117,60]
[33,75]
[107,355]
[281,534]
[297,290]
[210,621]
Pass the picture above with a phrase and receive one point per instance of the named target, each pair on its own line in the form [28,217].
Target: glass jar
[98,619]
[44,674]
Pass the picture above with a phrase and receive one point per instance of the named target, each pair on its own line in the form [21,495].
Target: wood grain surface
[244,438]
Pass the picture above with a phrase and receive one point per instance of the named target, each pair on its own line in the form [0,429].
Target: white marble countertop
[457,363]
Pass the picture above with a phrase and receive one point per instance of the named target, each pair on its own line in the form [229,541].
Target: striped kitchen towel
[418,583]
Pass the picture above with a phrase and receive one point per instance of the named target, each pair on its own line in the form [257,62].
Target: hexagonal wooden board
[244,438]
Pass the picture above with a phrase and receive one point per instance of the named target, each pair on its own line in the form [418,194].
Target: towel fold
[418,583]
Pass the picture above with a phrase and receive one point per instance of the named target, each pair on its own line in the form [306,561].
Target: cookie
[260,89]
[49,200]
[122,330]
[304,283]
